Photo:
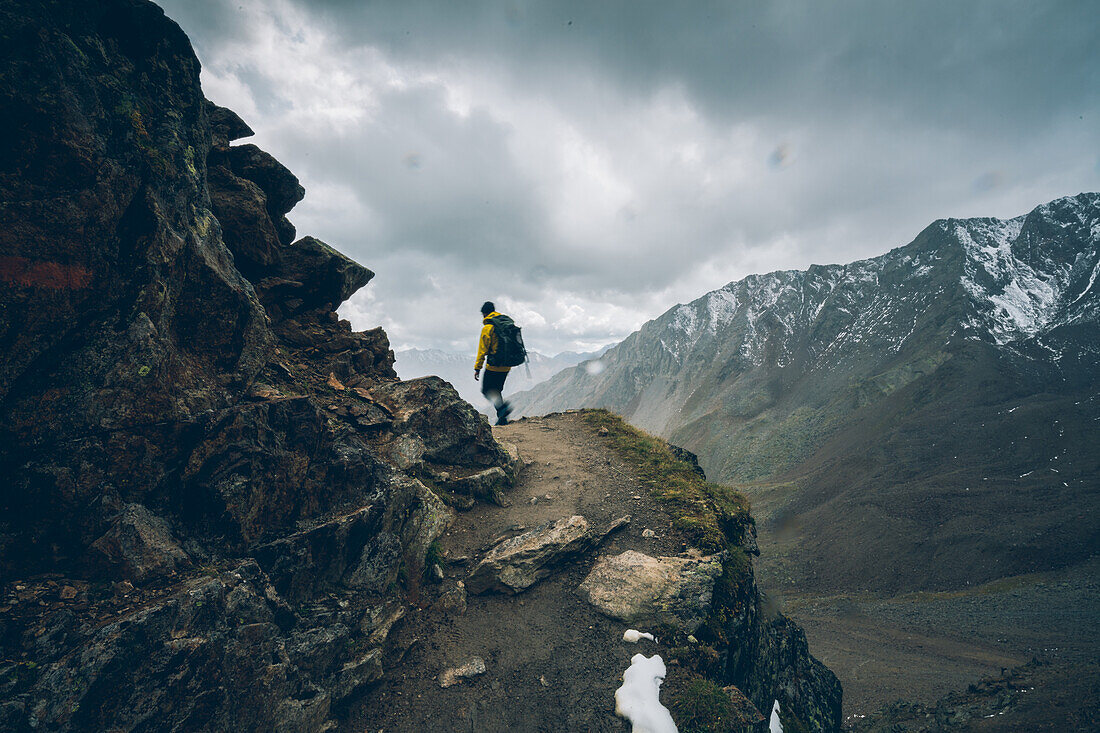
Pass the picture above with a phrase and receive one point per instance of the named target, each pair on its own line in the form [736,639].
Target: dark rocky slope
[925,419]
[211,498]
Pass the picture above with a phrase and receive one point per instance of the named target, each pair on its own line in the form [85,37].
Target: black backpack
[510,350]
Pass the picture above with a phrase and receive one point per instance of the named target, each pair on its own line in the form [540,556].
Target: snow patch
[634,636]
[685,320]
[1092,281]
[638,700]
[721,307]
[774,725]
[1017,300]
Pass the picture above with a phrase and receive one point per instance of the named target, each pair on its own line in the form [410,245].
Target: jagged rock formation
[514,565]
[212,510]
[926,419]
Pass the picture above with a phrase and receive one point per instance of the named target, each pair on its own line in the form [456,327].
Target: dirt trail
[553,663]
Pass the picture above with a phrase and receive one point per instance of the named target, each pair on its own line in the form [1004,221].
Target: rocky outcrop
[514,565]
[672,592]
[759,655]
[744,715]
[213,511]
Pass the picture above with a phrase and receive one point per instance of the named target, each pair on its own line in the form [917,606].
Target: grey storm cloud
[1009,61]
[589,164]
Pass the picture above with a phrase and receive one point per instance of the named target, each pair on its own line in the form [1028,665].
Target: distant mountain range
[923,419]
[458,369]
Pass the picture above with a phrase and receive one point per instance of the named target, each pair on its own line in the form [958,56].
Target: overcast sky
[587,165]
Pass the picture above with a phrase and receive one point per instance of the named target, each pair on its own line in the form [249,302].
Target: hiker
[501,346]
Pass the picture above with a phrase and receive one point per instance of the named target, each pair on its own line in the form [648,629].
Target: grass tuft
[701,706]
[713,516]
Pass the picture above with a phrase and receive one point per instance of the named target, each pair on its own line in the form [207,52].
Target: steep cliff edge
[520,622]
[212,492]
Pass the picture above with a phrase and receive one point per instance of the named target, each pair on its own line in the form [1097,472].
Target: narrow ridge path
[552,662]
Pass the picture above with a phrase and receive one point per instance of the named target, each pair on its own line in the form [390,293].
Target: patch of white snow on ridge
[774,725]
[1017,300]
[638,700]
[685,320]
[634,636]
[722,307]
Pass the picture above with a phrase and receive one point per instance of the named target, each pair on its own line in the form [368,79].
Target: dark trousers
[492,384]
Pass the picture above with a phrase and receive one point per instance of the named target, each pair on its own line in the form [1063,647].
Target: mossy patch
[700,706]
[730,595]
[711,515]
[189,161]
[434,556]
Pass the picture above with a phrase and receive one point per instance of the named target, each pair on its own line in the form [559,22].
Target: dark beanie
[487,307]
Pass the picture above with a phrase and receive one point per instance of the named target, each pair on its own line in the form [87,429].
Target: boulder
[428,522]
[516,564]
[515,460]
[241,209]
[280,185]
[139,546]
[356,673]
[225,125]
[452,599]
[639,589]
[486,485]
[314,275]
[454,675]
[444,427]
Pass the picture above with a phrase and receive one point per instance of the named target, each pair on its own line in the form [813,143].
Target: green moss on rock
[713,516]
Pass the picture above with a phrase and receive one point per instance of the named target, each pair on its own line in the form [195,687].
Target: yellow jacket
[487,344]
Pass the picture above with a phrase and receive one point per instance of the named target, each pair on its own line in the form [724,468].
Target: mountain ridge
[843,376]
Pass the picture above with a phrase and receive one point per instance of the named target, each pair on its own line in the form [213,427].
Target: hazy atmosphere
[807,431]
[589,165]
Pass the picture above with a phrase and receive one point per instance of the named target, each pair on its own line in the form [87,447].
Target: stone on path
[453,676]
[516,564]
[636,588]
